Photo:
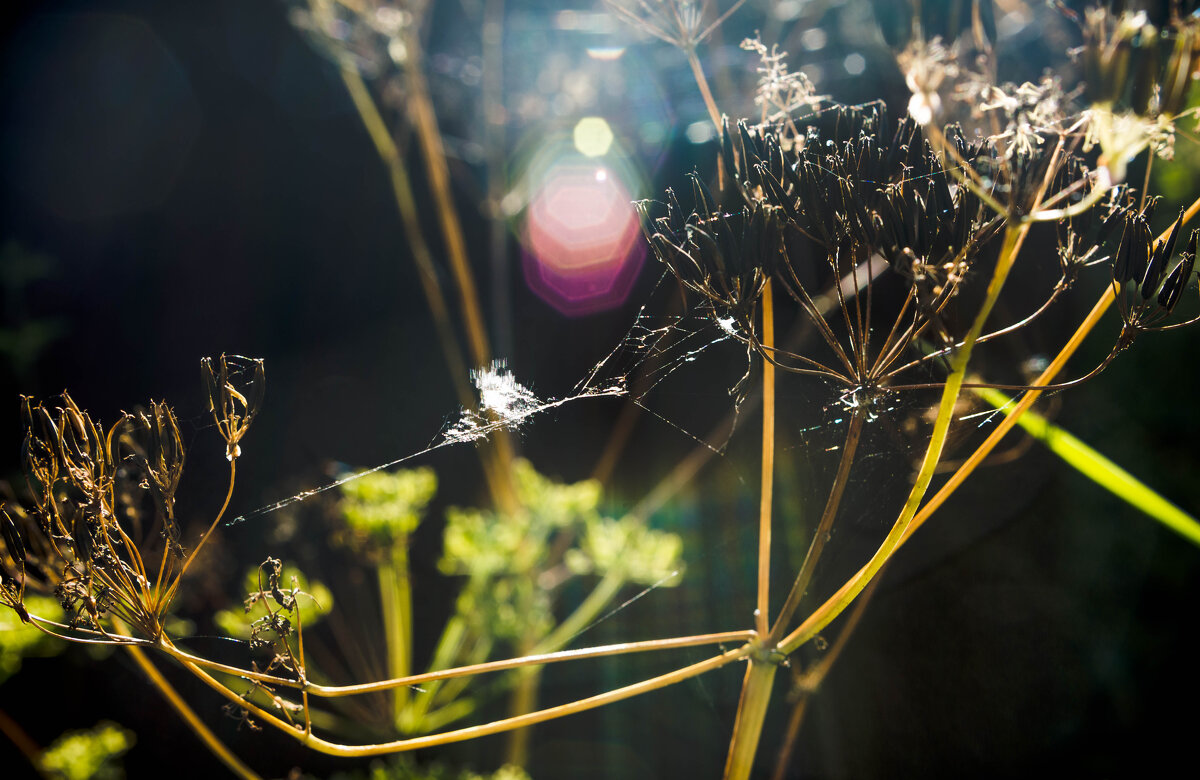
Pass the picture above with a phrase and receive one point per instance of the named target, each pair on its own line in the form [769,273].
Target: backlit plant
[885,246]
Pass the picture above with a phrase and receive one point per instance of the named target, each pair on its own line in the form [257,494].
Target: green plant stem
[523,700]
[588,610]
[751,714]
[821,535]
[1030,396]
[524,697]
[1098,468]
[395,595]
[210,740]
[1014,237]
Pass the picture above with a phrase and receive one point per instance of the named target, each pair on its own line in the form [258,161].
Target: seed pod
[1159,256]
[1172,289]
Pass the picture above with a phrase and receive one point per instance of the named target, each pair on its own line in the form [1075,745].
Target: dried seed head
[235,390]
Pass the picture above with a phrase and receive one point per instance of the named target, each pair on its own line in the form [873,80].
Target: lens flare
[581,249]
[593,137]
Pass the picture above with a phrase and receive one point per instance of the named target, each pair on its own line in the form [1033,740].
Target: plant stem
[587,611]
[751,714]
[396,600]
[160,606]
[429,138]
[335,691]
[810,681]
[768,465]
[1030,397]
[385,147]
[821,535]
[210,740]
[1014,237]
[473,732]
[702,82]
[523,700]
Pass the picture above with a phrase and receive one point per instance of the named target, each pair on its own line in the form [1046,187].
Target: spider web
[655,347]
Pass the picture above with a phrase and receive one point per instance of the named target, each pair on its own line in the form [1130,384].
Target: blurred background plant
[538,123]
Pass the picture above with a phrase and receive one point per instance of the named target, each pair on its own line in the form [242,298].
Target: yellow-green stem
[587,611]
[385,147]
[210,740]
[471,732]
[396,600]
[702,82]
[751,714]
[1014,237]
[522,701]
[1030,397]
[165,599]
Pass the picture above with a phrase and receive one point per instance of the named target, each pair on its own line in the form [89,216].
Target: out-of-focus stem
[810,681]
[395,597]
[210,740]
[24,743]
[429,138]
[705,92]
[522,701]
[406,205]
[587,611]
[492,95]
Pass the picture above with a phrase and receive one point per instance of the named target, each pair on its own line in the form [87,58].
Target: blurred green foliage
[20,640]
[380,508]
[92,754]
[314,602]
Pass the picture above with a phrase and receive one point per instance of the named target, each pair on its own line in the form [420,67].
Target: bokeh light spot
[581,233]
[593,137]
[700,132]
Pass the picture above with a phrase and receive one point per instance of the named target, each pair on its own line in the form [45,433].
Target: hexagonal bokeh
[581,231]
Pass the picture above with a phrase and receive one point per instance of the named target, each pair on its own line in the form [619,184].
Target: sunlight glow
[593,137]
[581,231]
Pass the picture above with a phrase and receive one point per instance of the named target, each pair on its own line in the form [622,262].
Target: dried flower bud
[233,408]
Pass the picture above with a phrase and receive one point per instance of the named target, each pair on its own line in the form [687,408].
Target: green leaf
[1099,469]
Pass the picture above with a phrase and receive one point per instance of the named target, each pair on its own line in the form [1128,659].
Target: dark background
[195,180]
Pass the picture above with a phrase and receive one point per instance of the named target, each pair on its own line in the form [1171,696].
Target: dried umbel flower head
[100,507]
[370,36]
[79,479]
[235,391]
[681,23]
[780,92]
[723,257]
[1150,275]
[827,219]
